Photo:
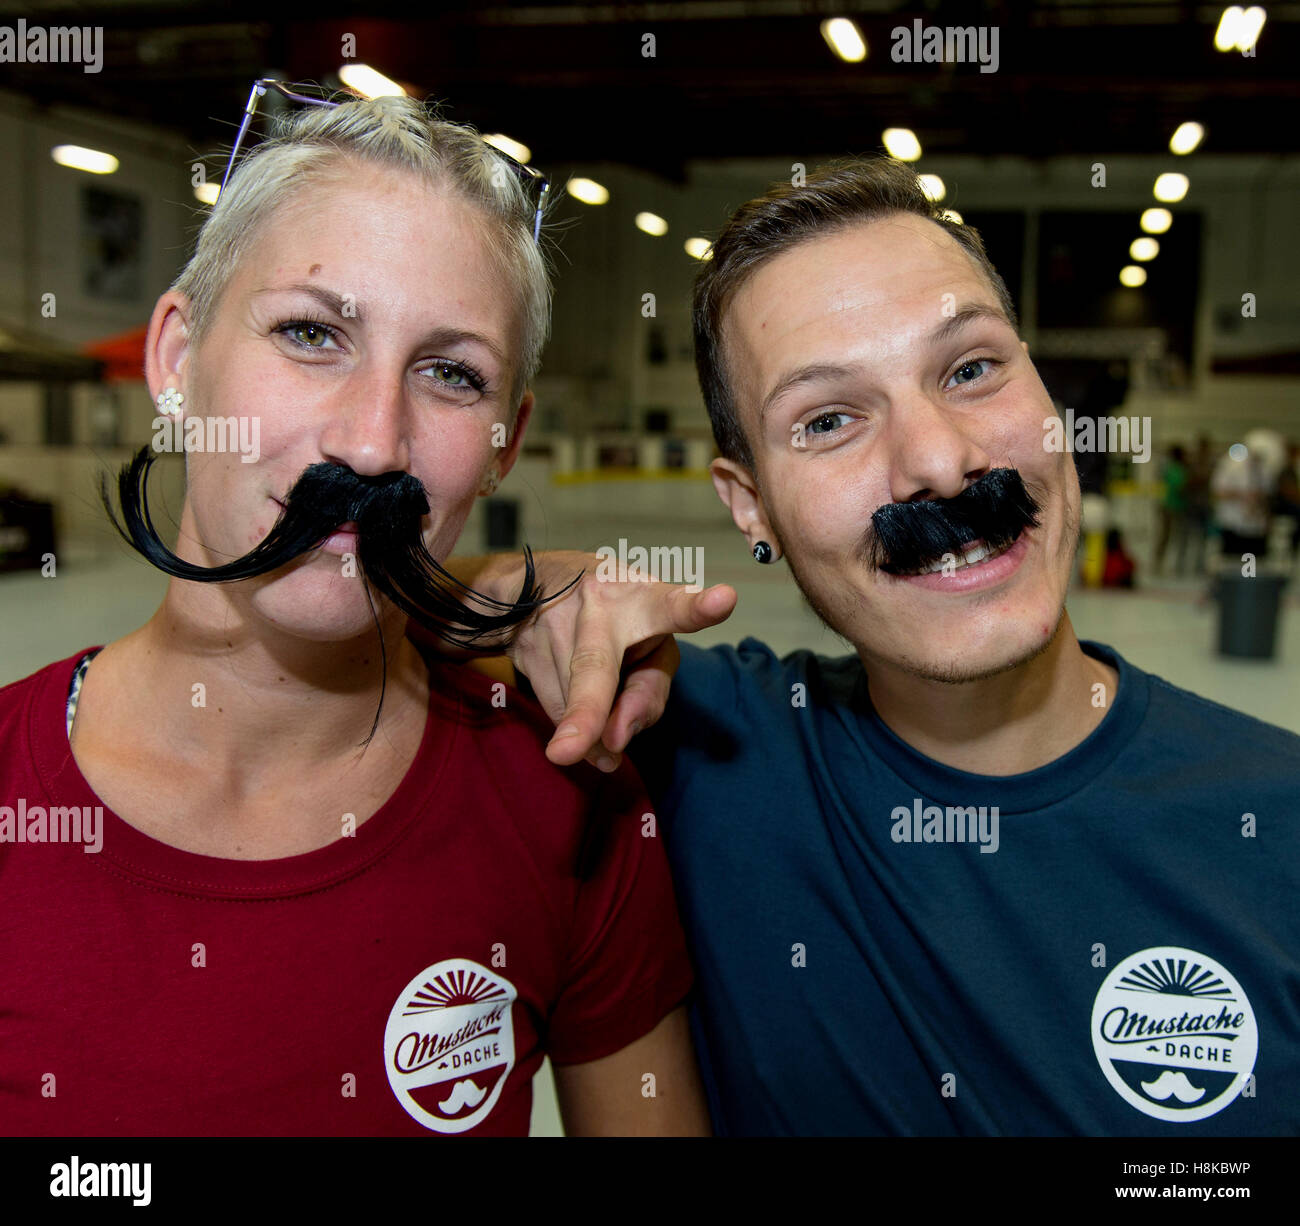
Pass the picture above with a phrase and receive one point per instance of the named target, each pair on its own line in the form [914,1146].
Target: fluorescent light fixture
[845,39]
[206,193]
[699,248]
[1239,29]
[1186,137]
[1144,249]
[901,143]
[80,158]
[587,190]
[1252,22]
[1225,37]
[1171,187]
[933,187]
[369,82]
[651,223]
[511,148]
[1132,276]
[1156,221]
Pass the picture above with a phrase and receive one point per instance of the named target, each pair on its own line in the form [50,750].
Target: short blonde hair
[310,145]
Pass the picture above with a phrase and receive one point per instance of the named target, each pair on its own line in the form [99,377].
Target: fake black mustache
[387,511]
[907,537]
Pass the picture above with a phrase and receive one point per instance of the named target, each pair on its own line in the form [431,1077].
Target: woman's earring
[490,482]
[762,552]
[170,401]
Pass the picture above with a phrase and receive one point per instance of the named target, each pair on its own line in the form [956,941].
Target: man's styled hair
[837,195]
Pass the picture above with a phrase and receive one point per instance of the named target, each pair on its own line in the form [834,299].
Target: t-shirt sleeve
[627,965]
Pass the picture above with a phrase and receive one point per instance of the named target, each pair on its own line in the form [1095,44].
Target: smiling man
[976,877]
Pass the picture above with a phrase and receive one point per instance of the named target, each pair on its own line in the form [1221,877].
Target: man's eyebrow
[818,372]
[814,372]
[971,313]
[336,302]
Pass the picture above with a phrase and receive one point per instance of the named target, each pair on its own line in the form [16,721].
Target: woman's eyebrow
[464,336]
[326,297]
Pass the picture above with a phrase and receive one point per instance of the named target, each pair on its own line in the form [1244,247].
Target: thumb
[692,611]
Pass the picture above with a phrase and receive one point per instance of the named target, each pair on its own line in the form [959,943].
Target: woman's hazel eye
[311,334]
[451,375]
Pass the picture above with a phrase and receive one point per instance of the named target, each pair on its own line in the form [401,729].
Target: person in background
[1200,468]
[1174,522]
[1241,492]
[1120,567]
[1287,502]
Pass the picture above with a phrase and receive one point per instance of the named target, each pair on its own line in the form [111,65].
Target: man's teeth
[976,553]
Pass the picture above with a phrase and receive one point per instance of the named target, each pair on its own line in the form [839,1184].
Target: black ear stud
[762,552]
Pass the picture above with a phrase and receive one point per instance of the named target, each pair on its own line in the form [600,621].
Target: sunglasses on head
[535,184]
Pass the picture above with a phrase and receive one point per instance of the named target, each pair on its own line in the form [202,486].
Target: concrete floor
[100,592]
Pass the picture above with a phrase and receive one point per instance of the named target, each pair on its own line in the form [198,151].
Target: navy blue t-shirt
[1108,945]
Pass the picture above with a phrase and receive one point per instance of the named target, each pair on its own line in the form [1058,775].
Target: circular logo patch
[1174,1034]
[450,1044]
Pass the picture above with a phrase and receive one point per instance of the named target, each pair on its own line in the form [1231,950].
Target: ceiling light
[901,143]
[80,158]
[369,82]
[845,39]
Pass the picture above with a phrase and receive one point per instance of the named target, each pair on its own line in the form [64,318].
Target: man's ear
[739,493]
[167,344]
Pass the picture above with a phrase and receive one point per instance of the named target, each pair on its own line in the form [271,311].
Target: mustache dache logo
[450,1044]
[1174,1034]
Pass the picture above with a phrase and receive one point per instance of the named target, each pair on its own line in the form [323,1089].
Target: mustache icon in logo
[463,1094]
[1173,1085]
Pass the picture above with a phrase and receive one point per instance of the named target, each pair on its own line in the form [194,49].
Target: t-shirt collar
[1034,789]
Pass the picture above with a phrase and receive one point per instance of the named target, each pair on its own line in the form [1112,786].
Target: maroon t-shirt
[404,980]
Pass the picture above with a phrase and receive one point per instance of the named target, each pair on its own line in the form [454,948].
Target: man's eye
[827,423]
[968,372]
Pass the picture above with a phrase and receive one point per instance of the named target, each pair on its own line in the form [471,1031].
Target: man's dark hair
[834,196]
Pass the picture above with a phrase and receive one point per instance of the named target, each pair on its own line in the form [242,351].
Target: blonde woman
[331,888]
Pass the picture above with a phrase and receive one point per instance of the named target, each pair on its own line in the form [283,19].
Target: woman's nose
[366,431]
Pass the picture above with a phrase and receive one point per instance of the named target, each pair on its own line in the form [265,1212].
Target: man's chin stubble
[954,673]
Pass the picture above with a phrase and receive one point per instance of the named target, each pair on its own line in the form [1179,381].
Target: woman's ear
[739,493]
[167,345]
[506,461]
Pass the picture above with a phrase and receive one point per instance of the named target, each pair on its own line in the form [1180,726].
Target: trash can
[1248,613]
[502,523]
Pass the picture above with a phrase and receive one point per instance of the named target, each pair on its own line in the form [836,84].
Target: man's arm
[612,1097]
[601,657]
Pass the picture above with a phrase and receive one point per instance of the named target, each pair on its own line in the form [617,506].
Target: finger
[644,696]
[599,755]
[593,683]
[544,676]
[688,611]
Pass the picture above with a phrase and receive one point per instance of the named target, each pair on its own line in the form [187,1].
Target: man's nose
[933,455]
